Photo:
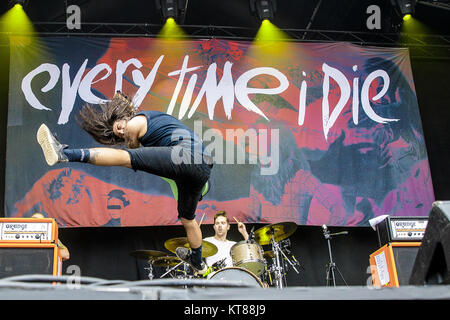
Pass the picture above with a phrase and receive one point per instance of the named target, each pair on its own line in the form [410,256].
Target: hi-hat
[276,232]
[208,249]
[147,254]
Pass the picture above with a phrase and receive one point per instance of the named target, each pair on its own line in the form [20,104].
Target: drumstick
[201,220]
[235,220]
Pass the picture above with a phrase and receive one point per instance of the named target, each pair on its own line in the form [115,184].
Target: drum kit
[251,264]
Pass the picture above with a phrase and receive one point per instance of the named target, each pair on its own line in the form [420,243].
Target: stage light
[406,17]
[404,7]
[16,21]
[269,33]
[174,9]
[270,42]
[171,30]
[263,9]
[18,3]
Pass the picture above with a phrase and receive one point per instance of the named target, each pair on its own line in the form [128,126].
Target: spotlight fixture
[263,9]
[22,3]
[405,8]
[175,9]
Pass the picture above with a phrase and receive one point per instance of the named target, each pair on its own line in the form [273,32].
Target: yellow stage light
[16,21]
[271,46]
[171,30]
[268,32]
[271,40]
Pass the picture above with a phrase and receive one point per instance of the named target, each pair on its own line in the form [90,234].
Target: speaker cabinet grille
[404,261]
[27,260]
[392,264]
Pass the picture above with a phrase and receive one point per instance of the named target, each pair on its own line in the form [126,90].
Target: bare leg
[193,232]
[109,157]
[117,157]
[54,152]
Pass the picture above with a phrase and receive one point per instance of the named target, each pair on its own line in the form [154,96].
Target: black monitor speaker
[433,257]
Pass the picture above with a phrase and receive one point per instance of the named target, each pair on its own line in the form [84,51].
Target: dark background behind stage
[105,252]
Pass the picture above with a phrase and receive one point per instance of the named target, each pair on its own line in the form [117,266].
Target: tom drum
[248,255]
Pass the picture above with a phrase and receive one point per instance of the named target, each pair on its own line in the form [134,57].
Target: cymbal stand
[286,249]
[171,269]
[150,269]
[277,268]
[290,262]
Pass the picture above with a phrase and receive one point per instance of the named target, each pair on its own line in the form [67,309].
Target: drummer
[221,227]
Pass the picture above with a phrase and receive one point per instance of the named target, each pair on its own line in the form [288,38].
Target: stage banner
[313,133]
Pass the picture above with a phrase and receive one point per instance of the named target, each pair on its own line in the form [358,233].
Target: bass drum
[237,274]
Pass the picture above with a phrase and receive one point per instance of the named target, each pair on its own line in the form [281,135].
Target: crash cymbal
[277,231]
[147,254]
[167,261]
[208,249]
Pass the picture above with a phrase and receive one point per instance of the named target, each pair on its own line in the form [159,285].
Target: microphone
[324,227]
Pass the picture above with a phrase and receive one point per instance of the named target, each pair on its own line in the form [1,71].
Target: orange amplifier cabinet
[29,246]
[392,264]
[28,230]
[29,258]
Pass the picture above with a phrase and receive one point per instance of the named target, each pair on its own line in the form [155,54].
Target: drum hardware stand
[150,269]
[286,246]
[278,269]
[332,267]
[173,268]
[290,262]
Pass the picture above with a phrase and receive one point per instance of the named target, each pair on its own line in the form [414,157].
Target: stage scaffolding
[428,46]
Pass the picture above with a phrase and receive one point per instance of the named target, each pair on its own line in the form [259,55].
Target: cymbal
[167,261]
[208,249]
[277,231]
[147,254]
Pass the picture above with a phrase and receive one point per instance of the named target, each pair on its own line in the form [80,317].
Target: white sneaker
[51,147]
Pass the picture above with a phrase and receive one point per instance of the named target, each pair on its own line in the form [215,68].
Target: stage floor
[38,287]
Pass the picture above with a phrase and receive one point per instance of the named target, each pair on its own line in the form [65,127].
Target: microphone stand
[332,267]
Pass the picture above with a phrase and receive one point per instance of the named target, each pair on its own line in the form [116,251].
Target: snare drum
[237,274]
[248,255]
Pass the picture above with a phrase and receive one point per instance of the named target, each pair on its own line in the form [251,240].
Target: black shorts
[190,174]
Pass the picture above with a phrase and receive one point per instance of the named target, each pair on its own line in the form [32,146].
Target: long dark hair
[98,120]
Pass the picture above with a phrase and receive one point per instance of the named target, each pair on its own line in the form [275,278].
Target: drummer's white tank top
[223,251]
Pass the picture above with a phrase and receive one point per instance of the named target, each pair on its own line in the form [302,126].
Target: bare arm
[243,230]
[63,251]
[136,129]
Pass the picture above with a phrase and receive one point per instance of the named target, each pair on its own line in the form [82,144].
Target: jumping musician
[156,143]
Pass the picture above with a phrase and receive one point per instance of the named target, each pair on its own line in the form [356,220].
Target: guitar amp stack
[399,239]
[29,246]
